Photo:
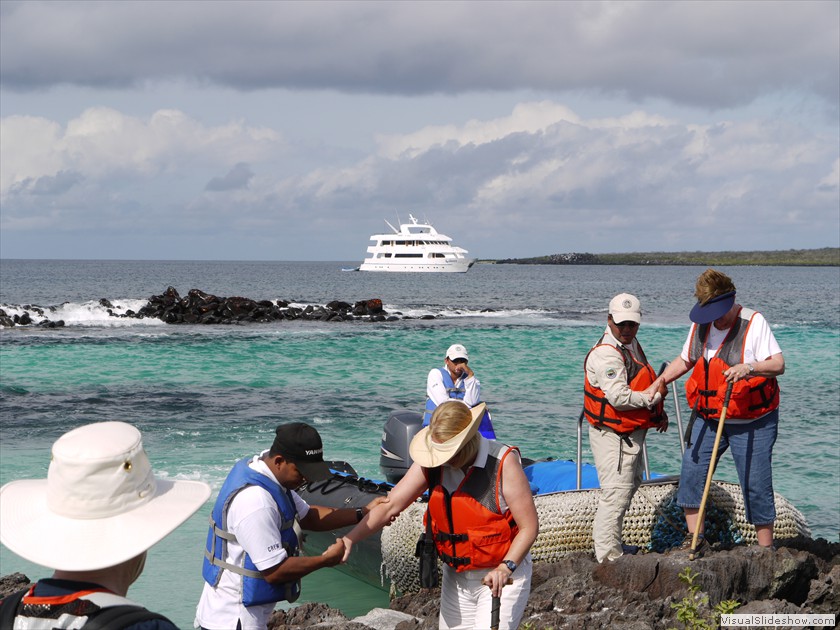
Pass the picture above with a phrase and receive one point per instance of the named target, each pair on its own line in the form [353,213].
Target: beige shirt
[605,369]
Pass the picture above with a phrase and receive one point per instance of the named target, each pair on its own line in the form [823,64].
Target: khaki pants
[619,465]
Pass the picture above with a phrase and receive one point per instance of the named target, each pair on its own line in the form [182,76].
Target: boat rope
[653,522]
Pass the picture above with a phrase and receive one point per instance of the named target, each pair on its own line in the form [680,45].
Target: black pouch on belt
[426,550]
[427,553]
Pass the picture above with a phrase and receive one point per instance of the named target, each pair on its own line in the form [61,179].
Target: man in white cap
[620,414]
[455,381]
[92,520]
[251,558]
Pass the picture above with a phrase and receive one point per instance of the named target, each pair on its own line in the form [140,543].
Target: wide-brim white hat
[431,454]
[100,504]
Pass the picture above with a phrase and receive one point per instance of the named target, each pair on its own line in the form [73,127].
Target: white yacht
[415,247]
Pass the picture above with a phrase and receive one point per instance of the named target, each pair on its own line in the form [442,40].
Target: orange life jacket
[751,397]
[468,526]
[600,413]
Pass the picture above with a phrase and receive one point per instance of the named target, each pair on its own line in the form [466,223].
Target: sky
[214,130]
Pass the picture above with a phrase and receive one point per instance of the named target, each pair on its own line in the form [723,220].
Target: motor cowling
[401,427]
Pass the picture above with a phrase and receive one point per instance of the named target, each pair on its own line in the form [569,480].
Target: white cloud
[551,177]
[289,129]
[103,142]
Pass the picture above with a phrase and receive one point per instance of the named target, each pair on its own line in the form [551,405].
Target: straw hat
[100,504]
[430,454]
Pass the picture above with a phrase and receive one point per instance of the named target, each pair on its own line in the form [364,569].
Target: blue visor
[714,309]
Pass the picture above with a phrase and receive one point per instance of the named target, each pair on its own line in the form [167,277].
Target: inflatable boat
[566,496]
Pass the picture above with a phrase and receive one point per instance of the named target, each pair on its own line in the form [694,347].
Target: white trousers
[619,465]
[466,603]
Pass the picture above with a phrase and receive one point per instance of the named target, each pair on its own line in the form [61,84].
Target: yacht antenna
[396,231]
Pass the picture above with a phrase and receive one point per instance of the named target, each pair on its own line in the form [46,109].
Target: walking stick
[495,609]
[712,462]
[494,613]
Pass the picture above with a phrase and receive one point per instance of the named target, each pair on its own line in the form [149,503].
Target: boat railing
[579,459]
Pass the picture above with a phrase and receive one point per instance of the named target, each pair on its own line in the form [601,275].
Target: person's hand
[334,553]
[496,579]
[466,370]
[348,547]
[375,502]
[663,425]
[737,372]
[655,387]
[662,389]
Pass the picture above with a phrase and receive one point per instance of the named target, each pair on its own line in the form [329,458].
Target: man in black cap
[251,559]
[729,346]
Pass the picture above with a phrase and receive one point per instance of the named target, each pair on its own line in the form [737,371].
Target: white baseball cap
[100,504]
[457,351]
[625,308]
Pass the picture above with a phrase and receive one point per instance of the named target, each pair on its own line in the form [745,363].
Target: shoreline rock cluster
[637,592]
[199,307]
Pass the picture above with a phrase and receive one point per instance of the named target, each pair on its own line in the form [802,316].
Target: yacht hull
[460,266]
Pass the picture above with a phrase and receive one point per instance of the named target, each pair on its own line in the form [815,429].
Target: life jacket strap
[453,561]
[445,537]
[221,533]
[232,567]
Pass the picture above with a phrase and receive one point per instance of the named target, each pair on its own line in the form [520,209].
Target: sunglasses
[627,324]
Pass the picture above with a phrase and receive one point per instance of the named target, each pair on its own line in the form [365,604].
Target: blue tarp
[554,476]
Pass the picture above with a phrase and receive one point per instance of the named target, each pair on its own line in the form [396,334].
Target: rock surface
[198,307]
[634,592]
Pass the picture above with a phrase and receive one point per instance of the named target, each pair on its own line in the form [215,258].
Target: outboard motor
[401,427]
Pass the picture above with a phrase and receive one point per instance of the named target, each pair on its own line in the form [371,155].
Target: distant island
[824,257]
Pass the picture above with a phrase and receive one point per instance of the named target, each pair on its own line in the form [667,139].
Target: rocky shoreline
[199,307]
[634,592]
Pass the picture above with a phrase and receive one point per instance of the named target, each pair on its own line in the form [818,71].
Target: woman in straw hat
[483,519]
[92,520]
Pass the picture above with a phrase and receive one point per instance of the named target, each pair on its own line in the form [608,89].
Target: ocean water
[205,396]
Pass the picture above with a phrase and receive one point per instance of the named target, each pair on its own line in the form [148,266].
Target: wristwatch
[752,368]
[359,515]
[510,564]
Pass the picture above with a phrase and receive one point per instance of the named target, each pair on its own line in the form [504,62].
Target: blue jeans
[752,449]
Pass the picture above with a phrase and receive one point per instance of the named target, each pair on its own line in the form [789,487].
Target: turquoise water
[205,396]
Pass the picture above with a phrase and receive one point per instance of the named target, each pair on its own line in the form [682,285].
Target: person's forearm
[472,391]
[673,371]
[521,544]
[295,567]
[377,518]
[774,366]
[326,519]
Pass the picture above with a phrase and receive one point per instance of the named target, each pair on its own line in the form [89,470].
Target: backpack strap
[8,608]
[118,617]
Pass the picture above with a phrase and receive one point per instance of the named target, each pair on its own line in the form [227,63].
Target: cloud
[56,184]
[706,54]
[103,143]
[237,177]
[544,179]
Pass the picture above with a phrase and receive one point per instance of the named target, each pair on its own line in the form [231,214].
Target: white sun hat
[430,454]
[100,504]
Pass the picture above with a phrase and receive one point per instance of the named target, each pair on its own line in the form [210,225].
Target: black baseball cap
[301,444]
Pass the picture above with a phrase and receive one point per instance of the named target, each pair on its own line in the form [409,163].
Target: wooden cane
[712,462]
